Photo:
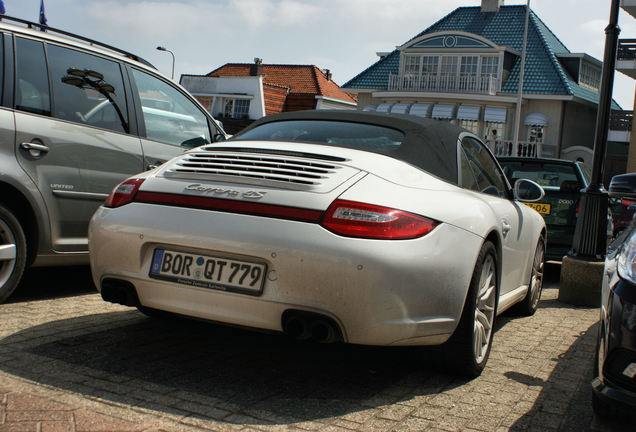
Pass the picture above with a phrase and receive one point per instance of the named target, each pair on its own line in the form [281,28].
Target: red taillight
[123,193]
[576,209]
[354,219]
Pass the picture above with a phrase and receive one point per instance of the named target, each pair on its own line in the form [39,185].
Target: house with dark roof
[238,93]
[466,69]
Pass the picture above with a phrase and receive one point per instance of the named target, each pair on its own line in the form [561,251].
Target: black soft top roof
[430,145]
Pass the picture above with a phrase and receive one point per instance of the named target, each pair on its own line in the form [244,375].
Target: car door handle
[35,149]
[505,228]
[35,146]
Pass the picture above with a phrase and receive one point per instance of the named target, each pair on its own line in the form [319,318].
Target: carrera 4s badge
[222,191]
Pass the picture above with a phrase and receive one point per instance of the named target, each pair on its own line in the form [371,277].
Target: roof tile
[543,73]
[299,79]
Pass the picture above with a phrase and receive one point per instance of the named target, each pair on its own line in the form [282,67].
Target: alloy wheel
[536,281]
[8,252]
[484,309]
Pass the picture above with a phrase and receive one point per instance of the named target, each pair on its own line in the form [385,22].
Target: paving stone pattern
[75,363]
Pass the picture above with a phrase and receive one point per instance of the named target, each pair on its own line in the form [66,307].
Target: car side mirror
[527,190]
[623,186]
[194,142]
[218,138]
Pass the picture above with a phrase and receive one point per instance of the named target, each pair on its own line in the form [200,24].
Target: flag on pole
[42,13]
[2,8]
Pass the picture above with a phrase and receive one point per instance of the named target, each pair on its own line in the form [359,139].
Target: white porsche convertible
[359,227]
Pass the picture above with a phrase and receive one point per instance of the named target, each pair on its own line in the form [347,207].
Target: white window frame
[471,125]
[499,127]
[590,75]
[458,59]
[536,134]
[233,112]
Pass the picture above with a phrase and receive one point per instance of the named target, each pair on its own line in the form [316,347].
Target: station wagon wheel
[529,304]
[468,348]
[12,253]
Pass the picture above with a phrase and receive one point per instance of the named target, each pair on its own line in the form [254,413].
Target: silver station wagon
[76,117]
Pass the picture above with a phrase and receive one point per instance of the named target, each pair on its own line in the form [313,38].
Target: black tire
[467,351]
[605,409]
[13,253]
[528,306]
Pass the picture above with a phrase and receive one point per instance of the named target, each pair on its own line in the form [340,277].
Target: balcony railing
[522,149]
[621,120]
[626,49]
[445,83]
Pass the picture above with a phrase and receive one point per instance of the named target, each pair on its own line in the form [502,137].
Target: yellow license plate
[540,207]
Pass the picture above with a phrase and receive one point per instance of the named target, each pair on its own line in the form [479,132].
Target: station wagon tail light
[124,193]
[354,219]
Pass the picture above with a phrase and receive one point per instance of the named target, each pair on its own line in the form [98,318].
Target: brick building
[238,93]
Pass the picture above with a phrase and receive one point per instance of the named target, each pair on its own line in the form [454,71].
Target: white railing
[522,149]
[451,83]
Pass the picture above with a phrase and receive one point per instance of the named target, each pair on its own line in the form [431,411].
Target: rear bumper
[407,292]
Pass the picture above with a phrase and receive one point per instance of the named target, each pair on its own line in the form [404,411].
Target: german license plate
[540,207]
[208,271]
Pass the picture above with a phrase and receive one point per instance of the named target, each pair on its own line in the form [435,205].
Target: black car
[614,387]
[562,181]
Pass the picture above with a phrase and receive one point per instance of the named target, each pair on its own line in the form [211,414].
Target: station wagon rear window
[549,175]
[357,136]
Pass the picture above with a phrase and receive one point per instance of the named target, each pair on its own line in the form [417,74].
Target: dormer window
[470,73]
[584,67]
[449,62]
[590,75]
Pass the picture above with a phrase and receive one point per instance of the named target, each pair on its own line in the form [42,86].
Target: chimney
[491,5]
[257,68]
[328,74]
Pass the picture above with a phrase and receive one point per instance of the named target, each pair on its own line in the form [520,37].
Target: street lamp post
[590,236]
[582,269]
[162,48]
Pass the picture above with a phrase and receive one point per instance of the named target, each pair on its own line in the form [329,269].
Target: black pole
[590,236]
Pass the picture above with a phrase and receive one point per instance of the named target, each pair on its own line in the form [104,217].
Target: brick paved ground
[70,362]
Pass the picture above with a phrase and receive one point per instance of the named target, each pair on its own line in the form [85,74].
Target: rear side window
[169,116]
[87,89]
[32,86]
[487,177]
[358,136]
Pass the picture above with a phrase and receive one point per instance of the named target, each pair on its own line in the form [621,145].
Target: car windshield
[547,174]
[358,136]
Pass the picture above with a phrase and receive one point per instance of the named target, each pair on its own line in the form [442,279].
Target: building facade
[466,69]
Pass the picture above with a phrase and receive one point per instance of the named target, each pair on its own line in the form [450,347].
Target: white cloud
[594,26]
[340,35]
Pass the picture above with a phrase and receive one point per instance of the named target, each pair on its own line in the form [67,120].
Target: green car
[562,181]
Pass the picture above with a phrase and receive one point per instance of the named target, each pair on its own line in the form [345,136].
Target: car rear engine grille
[242,168]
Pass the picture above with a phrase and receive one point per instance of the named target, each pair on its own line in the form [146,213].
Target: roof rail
[38,26]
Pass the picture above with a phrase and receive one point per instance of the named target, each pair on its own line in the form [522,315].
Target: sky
[340,35]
